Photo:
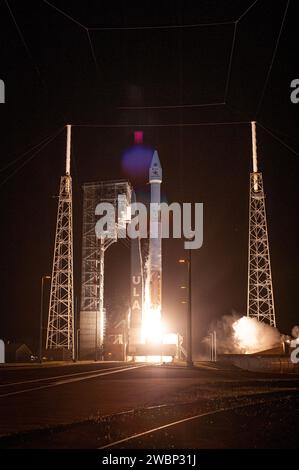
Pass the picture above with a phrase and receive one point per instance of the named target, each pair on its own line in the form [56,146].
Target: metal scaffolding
[92,315]
[60,331]
[260,299]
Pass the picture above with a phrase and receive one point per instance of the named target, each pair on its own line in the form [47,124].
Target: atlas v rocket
[152,304]
[155,241]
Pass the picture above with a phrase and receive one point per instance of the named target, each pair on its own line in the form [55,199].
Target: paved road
[48,397]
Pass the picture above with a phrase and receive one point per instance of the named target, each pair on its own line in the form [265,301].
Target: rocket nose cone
[155,171]
[155,160]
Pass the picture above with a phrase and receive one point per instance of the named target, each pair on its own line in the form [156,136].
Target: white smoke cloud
[295,331]
[251,335]
[244,335]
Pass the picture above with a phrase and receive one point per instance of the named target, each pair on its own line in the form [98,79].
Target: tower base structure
[260,300]
[60,331]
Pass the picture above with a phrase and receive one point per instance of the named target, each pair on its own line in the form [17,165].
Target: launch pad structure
[144,337]
[94,342]
[141,336]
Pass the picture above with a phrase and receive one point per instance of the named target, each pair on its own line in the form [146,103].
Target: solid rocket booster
[155,242]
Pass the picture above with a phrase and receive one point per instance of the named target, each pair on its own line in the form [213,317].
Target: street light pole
[77,344]
[215,346]
[189,314]
[189,318]
[212,346]
[96,339]
[41,318]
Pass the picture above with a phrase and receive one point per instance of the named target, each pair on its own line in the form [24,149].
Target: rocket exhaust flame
[151,315]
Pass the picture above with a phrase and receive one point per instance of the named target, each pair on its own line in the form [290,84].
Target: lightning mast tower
[260,300]
[60,332]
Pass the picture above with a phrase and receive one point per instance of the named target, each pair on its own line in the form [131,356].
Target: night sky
[149,55]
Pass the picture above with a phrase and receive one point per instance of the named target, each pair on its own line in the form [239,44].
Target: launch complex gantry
[92,312]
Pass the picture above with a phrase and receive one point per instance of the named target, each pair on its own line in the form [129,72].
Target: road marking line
[64,382]
[10,384]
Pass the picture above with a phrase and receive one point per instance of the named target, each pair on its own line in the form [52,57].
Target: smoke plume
[244,335]
[295,331]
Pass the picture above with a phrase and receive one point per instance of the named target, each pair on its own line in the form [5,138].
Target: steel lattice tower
[92,314]
[60,332]
[260,300]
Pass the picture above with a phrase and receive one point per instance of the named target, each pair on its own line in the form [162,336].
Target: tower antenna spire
[68,149]
[254,155]
[254,149]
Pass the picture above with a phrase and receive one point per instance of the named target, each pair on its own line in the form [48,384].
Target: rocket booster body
[155,241]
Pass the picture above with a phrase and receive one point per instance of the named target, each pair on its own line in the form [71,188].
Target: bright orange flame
[151,325]
[151,317]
